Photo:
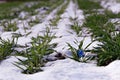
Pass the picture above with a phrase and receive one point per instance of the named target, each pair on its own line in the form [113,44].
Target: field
[60,40]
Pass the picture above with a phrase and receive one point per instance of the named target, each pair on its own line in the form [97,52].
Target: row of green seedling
[9,25]
[78,53]
[7,48]
[51,8]
[35,54]
[87,10]
[76,26]
[104,32]
[59,13]
[14,8]
[88,6]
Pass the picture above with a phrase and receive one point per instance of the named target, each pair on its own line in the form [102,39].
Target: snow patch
[111,5]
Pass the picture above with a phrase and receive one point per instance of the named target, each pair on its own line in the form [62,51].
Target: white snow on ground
[8,71]
[39,28]
[64,33]
[66,69]
[71,70]
[34,31]
[111,5]
[114,70]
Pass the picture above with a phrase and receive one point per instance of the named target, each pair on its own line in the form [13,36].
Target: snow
[23,15]
[71,70]
[114,70]
[8,71]
[64,33]
[6,35]
[66,69]
[111,5]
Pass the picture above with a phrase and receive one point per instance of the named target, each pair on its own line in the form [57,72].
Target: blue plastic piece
[80,53]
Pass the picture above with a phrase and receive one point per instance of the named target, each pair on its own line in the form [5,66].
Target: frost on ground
[66,69]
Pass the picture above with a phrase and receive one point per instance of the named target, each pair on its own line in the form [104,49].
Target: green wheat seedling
[55,21]
[77,28]
[59,12]
[108,50]
[95,23]
[34,55]
[110,14]
[34,22]
[57,3]
[7,47]
[91,5]
[9,26]
[10,14]
[102,31]
[78,53]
